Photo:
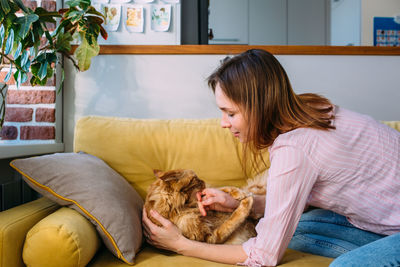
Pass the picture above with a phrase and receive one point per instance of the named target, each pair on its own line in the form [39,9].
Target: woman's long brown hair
[258,84]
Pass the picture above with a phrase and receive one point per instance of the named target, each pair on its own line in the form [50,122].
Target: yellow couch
[134,148]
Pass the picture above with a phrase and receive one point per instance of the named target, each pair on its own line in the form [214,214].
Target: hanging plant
[27,45]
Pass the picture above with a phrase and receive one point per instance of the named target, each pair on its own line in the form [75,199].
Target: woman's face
[232,117]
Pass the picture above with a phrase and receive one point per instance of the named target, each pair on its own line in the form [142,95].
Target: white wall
[375,8]
[173,86]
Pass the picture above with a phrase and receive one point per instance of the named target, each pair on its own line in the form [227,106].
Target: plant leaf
[95,19]
[42,71]
[13,7]
[85,52]
[35,69]
[33,80]
[38,32]
[21,5]
[17,77]
[24,78]
[5,6]
[35,49]
[72,3]
[81,3]
[17,62]
[51,57]
[10,42]
[26,22]
[8,76]
[45,15]
[41,58]
[18,51]
[25,57]
[36,81]
[1,34]
[62,26]
[103,33]
[32,51]
[92,10]
[50,71]
[63,43]
[48,36]
[62,10]
[26,66]
[74,13]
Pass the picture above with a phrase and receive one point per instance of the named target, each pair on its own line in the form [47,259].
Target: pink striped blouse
[353,170]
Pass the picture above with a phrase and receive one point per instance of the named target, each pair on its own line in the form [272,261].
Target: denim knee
[320,245]
[345,261]
[383,252]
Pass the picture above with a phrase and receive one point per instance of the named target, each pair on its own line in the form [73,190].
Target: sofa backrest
[393,124]
[135,147]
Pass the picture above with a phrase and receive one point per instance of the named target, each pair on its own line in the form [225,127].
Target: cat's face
[180,186]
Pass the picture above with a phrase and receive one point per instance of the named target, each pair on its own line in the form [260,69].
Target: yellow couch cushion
[64,239]
[150,257]
[135,147]
[393,124]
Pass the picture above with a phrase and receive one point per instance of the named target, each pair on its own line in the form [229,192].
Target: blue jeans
[325,233]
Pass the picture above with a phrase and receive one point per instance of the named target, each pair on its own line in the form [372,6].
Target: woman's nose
[225,122]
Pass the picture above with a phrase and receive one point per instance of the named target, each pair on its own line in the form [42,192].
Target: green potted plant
[27,45]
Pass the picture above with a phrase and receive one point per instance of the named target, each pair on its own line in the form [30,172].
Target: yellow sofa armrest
[15,223]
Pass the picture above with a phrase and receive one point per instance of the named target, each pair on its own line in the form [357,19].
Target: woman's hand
[168,236]
[215,199]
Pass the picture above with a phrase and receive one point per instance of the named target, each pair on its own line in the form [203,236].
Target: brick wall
[30,111]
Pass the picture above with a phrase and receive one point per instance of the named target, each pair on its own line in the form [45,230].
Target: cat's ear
[158,173]
[165,176]
[169,175]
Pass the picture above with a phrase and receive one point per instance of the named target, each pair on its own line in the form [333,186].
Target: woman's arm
[169,237]
[229,254]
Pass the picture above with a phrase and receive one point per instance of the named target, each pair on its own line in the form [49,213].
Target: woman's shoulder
[353,123]
[300,133]
[300,138]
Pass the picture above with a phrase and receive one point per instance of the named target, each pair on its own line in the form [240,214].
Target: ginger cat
[173,195]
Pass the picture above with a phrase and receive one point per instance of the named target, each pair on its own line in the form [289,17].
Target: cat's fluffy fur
[173,195]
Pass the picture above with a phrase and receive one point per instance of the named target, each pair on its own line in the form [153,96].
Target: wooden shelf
[236,49]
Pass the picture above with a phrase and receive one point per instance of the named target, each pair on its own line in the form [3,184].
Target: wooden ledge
[236,49]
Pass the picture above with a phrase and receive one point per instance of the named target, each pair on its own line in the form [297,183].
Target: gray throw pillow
[87,184]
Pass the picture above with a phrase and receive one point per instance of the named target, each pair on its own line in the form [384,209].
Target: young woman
[342,162]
